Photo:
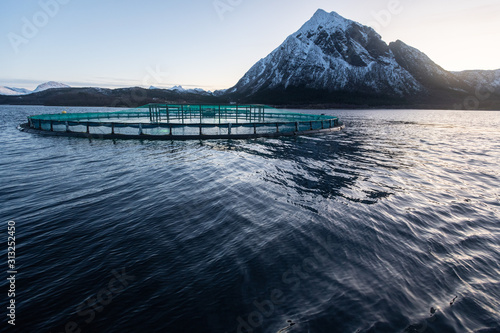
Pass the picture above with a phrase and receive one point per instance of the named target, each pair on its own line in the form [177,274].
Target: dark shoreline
[134,97]
[295,107]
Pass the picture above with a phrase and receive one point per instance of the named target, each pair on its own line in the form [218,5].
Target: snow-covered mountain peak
[9,91]
[199,91]
[331,53]
[21,91]
[322,19]
[50,85]
[177,88]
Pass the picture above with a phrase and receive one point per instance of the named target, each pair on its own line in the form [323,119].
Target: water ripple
[389,226]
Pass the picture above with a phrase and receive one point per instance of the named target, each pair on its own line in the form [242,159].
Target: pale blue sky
[192,43]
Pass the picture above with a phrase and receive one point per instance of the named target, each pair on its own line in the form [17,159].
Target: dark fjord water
[364,230]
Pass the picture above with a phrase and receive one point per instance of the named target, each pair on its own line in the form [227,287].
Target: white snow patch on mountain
[9,91]
[50,85]
[333,53]
[199,91]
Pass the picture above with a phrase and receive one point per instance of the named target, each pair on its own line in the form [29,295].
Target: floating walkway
[183,122]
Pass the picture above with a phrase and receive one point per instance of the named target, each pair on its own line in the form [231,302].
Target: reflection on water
[388,226]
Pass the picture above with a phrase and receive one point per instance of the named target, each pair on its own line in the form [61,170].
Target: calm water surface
[365,230]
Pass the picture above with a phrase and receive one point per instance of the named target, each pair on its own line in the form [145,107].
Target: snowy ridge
[50,85]
[8,91]
[331,53]
[200,91]
[329,21]
[481,78]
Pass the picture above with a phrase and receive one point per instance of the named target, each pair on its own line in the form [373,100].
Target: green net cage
[179,121]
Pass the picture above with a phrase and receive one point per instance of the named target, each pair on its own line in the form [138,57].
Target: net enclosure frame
[183,122]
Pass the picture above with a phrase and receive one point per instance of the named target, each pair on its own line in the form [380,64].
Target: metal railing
[186,120]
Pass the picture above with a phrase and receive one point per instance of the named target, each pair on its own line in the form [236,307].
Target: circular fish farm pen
[183,122]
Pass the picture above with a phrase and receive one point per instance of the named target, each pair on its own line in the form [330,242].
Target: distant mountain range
[180,89]
[329,62]
[8,91]
[54,93]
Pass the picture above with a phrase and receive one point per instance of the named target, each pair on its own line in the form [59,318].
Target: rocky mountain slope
[333,59]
